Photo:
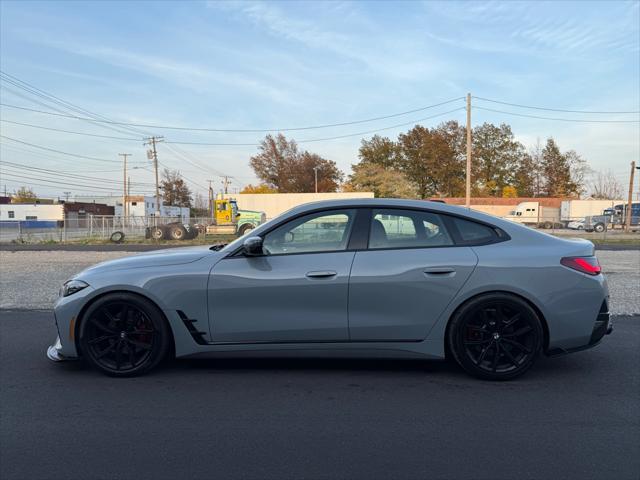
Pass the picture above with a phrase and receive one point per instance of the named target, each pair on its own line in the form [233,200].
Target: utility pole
[468,186]
[124,186]
[153,155]
[627,222]
[210,204]
[225,183]
[315,171]
[66,196]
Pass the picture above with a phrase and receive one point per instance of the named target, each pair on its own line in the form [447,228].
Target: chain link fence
[89,227]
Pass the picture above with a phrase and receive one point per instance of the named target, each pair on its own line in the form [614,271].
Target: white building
[140,206]
[31,211]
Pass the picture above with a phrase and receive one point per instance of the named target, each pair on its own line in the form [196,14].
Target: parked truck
[578,210]
[536,215]
[613,217]
[230,220]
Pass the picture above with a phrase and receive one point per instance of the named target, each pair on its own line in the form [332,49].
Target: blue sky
[246,65]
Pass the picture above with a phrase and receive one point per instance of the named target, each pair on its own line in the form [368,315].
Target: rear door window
[393,228]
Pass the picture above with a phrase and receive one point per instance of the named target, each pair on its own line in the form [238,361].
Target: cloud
[197,77]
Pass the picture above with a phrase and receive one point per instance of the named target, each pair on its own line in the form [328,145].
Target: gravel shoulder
[31,279]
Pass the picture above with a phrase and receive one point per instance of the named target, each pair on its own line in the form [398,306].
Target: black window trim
[361,230]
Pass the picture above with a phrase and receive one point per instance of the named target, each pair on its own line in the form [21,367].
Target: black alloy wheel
[496,336]
[123,334]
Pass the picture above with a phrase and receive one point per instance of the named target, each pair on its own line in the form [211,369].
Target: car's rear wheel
[496,336]
[124,334]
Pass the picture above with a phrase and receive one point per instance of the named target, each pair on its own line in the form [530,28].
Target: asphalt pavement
[576,416]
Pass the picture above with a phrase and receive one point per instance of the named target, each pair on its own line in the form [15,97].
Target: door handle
[440,272]
[322,274]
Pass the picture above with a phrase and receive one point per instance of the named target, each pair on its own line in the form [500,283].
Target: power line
[52,98]
[16,166]
[229,130]
[58,159]
[69,131]
[59,151]
[570,120]
[337,137]
[60,182]
[554,109]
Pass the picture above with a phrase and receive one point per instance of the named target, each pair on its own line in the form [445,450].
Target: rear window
[472,232]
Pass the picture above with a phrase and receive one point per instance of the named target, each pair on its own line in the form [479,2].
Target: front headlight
[72,286]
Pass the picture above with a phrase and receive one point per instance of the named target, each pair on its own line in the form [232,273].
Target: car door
[297,291]
[408,275]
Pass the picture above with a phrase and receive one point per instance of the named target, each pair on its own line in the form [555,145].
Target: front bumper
[602,326]
[54,352]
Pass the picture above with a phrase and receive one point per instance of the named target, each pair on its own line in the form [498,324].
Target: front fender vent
[198,335]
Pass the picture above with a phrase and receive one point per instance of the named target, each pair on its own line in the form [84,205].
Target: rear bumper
[602,326]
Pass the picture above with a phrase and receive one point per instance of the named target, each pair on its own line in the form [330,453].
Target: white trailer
[535,215]
[577,210]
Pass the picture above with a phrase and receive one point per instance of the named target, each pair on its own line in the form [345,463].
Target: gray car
[349,277]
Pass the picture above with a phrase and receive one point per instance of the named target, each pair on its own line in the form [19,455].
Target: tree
[578,171]
[605,186]
[200,206]
[429,162]
[384,183]
[496,156]
[379,151]
[281,166]
[509,192]
[556,170]
[24,195]
[261,188]
[174,189]
[275,161]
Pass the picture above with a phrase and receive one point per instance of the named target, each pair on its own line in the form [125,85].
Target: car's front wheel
[496,336]
[123,334]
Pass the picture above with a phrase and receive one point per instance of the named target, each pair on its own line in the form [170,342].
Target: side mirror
[288,237]
[252,246]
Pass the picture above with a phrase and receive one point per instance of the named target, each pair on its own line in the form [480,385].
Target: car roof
[387,203]
[435,206]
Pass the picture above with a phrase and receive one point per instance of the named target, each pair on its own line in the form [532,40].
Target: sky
[279,65]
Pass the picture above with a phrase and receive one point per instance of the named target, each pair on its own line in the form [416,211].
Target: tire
[117,237]
[124,335]
[495,336]
[547,225]
[245,228]
[178,232]
[599,227]
[158,233]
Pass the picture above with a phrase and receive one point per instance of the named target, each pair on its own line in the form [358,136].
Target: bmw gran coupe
[358,277]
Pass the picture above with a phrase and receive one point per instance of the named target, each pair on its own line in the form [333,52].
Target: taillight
[588,265]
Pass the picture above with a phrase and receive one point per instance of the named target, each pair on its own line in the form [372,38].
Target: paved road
[571,417]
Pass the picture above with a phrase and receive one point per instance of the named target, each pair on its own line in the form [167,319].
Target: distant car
[360,276]
[576,225]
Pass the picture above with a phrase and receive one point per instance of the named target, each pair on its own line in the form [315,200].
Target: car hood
[156,258]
